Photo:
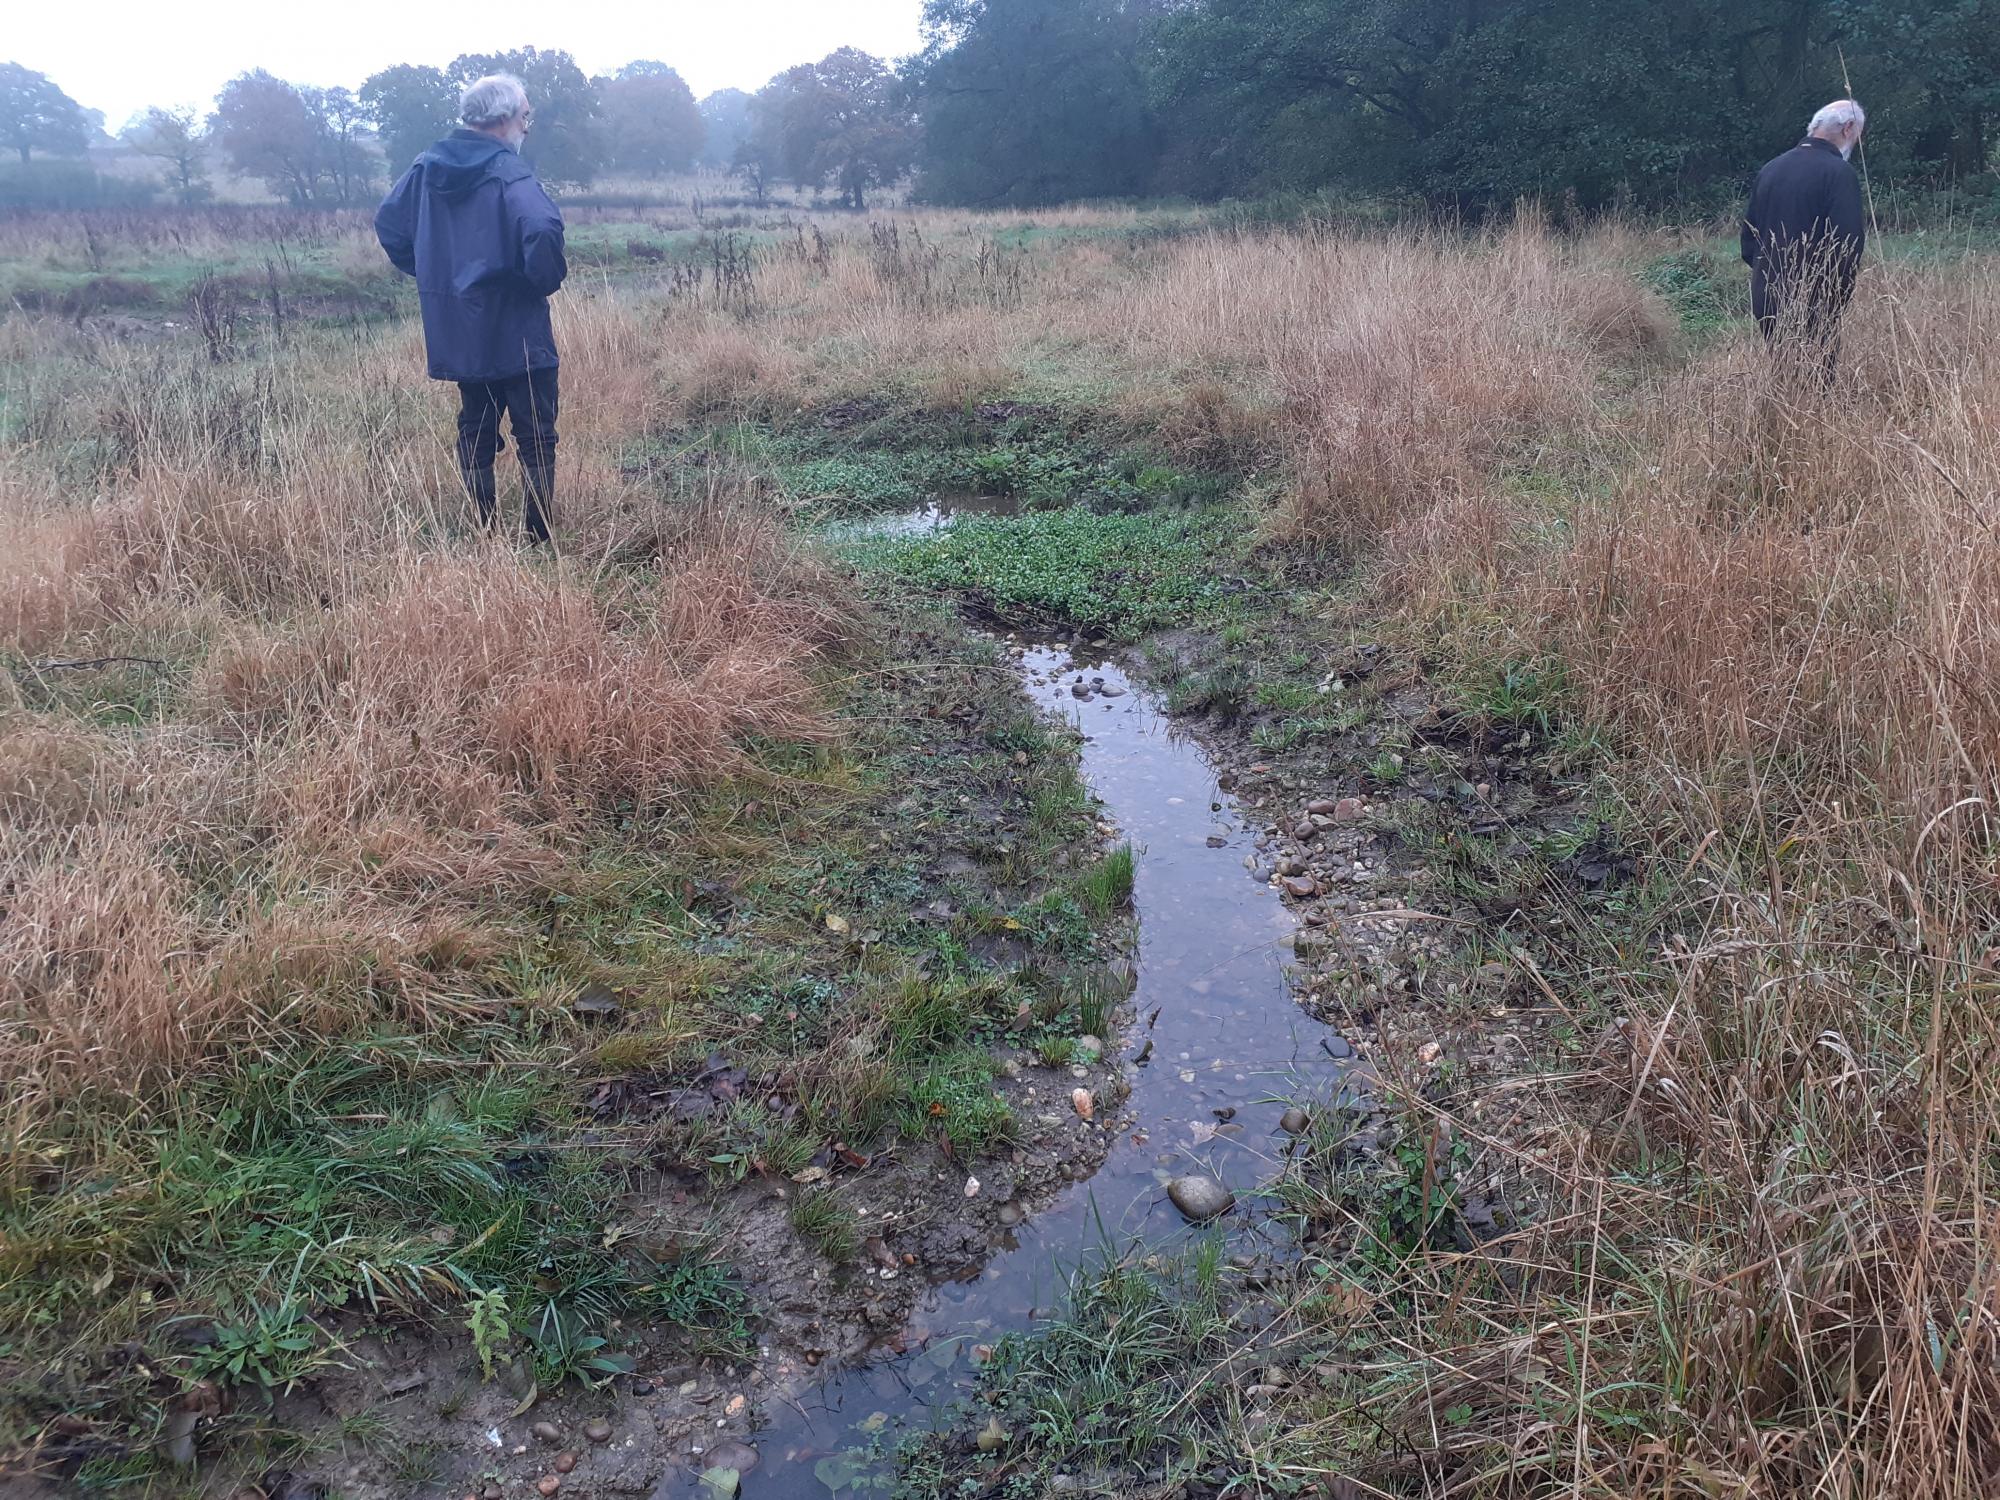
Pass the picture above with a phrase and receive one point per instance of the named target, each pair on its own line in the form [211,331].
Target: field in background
[1550,470]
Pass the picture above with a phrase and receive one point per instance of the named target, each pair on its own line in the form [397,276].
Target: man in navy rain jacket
[1803,235]
[485,244]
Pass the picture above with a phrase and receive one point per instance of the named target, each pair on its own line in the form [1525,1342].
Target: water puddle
[1225,1040]
[935,516]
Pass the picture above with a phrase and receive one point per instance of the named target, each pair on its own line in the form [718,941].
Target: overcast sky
[119,56]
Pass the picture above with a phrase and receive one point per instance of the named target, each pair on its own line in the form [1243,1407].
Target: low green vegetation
[1124,574]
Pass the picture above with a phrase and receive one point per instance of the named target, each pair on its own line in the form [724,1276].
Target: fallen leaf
[837,923]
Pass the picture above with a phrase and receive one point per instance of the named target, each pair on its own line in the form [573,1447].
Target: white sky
[122,55]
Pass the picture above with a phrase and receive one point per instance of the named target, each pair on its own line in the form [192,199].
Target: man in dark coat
[1803,235]
[485,244]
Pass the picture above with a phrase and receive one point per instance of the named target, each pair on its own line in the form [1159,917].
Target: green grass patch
[1125,574]
[1106,886]
[950,1098]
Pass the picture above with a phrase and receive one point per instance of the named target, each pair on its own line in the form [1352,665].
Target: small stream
[1227,1042]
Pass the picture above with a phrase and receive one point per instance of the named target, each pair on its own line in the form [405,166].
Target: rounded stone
[1200,1197]
[732,1454]
[597,1430]
[1295,1122]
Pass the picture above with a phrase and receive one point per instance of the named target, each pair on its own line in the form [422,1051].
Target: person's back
[469,221]
[1804,230]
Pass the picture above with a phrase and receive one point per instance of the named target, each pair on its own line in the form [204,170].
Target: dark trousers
[1800,324]
[529,400]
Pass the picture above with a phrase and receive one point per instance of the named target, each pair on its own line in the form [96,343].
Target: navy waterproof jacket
[470,222]
[1804,228]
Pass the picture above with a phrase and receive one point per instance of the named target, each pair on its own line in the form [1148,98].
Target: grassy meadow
[356,870]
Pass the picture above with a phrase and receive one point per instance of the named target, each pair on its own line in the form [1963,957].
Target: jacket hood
[466,158]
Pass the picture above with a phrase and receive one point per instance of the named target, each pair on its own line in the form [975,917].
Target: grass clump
[951,1099]
[823,1221]
[1106,887]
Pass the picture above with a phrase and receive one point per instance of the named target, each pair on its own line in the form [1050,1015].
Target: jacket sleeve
[1848,218]
[538,237]
[396,223]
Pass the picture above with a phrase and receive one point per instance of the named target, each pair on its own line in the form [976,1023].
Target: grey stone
[731,1454]
[1200,1197]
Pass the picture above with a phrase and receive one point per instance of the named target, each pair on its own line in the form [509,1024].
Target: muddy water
[1226,1040]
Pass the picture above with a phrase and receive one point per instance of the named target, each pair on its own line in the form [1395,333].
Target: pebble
[1301,886]
[546,1432]
[1295,1121]
[1348,810]
[1322,805]
[1082,1103]
[597,1430]
[548,1484]
[565,1462]
[731,1454]
[1200,1197]
[1010,1214]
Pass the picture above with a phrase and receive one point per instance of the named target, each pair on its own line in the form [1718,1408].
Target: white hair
[492,100]
[1838,118]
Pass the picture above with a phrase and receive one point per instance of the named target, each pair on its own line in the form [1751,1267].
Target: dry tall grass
[376,743]
[1784,602]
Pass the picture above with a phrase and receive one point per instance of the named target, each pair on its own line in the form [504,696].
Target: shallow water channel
[1226,1040]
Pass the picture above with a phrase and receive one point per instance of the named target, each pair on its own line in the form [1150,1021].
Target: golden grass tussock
[378,744]
[1781,598]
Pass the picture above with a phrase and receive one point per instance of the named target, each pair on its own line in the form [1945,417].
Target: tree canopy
[1036,101]
[1464,103]
[566,144]
[412,105]
[846,119]
[35,115]
[175,138]
[305,143]
[725,115]
[651,122]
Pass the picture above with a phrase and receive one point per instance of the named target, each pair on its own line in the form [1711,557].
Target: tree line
[843,123]
[1462,104]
